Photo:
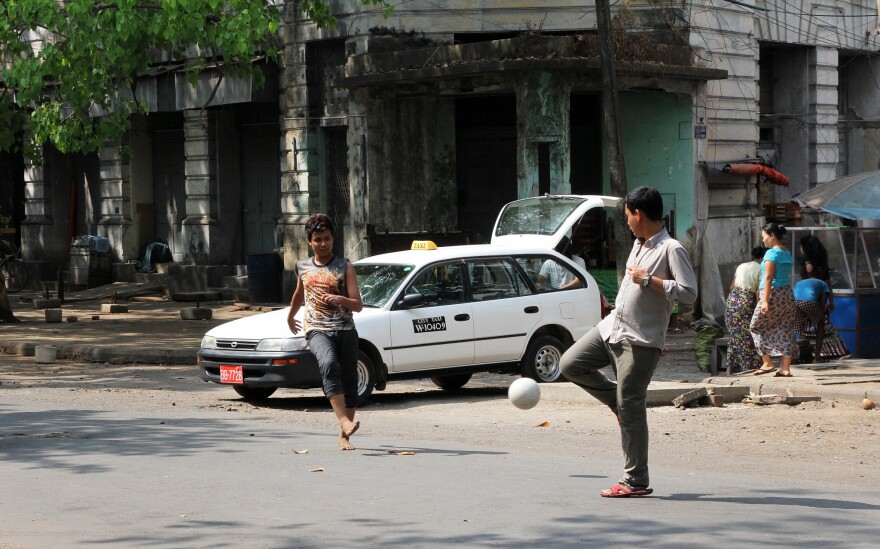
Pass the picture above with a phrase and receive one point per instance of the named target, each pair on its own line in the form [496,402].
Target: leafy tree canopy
[68,68]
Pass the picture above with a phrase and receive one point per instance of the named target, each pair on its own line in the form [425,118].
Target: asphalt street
[130,470]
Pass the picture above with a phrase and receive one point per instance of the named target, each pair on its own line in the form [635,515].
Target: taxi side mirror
[411,300]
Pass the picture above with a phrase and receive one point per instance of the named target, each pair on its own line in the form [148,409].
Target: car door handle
[531,309]
[462,318]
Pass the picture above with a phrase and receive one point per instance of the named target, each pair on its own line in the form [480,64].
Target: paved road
[179,464]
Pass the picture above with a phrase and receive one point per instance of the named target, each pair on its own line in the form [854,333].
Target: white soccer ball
[524,393]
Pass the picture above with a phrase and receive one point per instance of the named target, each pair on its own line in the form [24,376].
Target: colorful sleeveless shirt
[318,280]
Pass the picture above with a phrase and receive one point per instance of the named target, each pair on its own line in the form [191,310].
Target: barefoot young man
[630,339]
[327,287]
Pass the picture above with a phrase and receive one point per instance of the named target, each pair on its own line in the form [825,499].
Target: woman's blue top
[782,274]
[810,289]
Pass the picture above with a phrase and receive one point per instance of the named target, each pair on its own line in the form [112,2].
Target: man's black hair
[319,222]
[647,200]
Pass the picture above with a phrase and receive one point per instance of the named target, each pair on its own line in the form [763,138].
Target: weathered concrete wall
[411,165]
[657,131]
[542,116]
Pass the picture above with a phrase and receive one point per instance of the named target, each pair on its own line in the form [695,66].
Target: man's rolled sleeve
[683,285]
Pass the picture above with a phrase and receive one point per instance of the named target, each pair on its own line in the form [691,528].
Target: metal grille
[237,344]
[338,188]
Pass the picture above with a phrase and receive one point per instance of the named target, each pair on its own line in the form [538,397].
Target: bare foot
[349,427]
[344,443]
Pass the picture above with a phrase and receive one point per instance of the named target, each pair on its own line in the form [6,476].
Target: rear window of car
[541,216]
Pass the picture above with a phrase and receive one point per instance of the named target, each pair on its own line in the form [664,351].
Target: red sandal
[621,491]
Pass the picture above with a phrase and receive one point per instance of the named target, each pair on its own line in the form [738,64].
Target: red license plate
[231,374]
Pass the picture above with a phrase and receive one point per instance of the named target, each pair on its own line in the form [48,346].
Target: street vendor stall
[854,261]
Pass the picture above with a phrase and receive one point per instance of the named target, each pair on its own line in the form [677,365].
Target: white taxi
[431,312]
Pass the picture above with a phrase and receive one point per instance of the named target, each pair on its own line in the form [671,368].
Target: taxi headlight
[285,344]
[209,342]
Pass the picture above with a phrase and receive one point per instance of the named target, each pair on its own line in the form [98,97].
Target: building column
[36,234]
[543,135]
[358,131]
[114,216]
[824,146]
[296,143]
[200,228]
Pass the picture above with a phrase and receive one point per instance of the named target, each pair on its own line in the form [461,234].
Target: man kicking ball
[326,286]
[630,339]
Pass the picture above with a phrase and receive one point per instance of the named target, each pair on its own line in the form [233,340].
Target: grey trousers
[633,366]
[337,356]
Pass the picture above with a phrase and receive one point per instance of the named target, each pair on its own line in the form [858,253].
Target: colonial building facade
[430,120]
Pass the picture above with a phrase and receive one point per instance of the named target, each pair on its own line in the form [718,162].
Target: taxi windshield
[379,282]
[539,215]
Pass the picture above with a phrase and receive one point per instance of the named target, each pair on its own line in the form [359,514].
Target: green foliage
[68,68]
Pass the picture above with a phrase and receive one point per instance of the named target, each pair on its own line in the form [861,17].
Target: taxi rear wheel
[541,361]
[254,393]
[366,377]
[451,383]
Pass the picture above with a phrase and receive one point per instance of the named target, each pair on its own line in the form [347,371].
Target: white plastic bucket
[45,354]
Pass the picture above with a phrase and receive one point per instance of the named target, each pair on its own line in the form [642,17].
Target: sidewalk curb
[660,393]
[104,354]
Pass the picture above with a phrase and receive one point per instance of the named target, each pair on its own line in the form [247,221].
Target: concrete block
[45,354]
[47,303]
[72,319]
[689,396]
[123,272]
[53,315]
[196,313]
[113,308]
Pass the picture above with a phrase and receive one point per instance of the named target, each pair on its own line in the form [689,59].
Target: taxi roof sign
[423,245]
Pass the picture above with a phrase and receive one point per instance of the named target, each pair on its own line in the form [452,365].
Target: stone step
[233,294]
[153,278]
[235,282]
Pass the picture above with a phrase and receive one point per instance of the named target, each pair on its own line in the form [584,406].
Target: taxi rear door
[504,309]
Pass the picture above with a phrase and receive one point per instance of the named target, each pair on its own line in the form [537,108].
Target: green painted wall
[657,132]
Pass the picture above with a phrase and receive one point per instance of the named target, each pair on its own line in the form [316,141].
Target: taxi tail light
[283,361]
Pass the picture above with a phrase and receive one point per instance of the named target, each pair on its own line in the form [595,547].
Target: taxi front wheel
[541,361]
[366,377]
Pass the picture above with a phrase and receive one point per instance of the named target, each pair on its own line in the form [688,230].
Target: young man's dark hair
[758,252]
[647,200]
[319,222]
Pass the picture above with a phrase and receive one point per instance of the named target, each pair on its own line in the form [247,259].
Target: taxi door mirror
[411,300]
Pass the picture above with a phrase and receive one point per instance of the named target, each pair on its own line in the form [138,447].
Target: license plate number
[231,374]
